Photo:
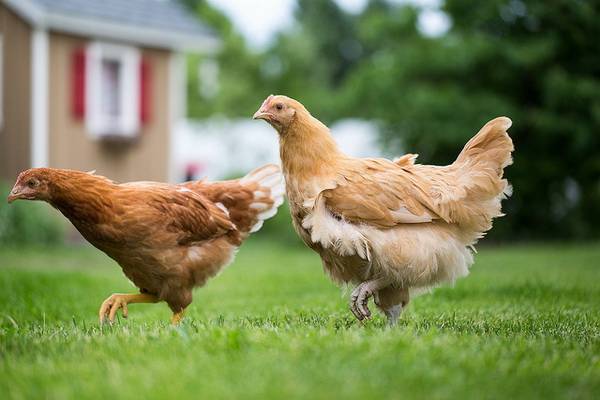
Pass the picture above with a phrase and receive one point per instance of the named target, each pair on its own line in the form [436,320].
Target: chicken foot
[359,299]
[111,305]
[392,314]
[177,317]
[392,300]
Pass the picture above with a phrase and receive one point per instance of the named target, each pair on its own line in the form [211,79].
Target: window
[113,94]
[110,87]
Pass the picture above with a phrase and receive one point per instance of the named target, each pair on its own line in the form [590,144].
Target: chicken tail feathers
[479,171]
[490,148]
[247,201]
[267,188]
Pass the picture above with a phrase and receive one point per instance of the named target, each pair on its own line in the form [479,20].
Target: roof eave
[94,28]
[178,41]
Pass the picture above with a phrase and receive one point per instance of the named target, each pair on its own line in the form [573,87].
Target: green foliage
[239,70]
[28,223]
[524,324]
[535,61]
[532,61]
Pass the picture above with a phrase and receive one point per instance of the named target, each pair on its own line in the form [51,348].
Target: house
[94,85]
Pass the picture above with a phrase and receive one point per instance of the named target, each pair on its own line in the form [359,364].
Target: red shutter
[78,80]
[145,93]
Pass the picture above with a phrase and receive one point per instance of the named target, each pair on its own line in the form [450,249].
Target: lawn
[524,324]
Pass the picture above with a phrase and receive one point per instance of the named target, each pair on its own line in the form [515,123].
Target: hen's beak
[262,111]
[261,114]
[13,195]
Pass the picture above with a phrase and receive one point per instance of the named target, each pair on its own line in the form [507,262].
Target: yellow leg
[177,317]
[109,307]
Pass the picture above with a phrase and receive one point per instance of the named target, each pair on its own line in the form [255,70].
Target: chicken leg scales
[177,317]
[392,300]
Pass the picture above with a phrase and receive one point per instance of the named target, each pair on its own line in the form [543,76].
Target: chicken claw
[109,308]
[359,299]
[356,294]
[117,301]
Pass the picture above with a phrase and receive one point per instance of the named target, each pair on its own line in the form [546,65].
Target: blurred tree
[535,61]
[311,61]
[238,73]
[545,60]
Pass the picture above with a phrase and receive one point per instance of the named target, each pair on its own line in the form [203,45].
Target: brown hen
[168,239]
[393,228]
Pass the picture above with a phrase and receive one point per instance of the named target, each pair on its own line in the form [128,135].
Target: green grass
[524,324]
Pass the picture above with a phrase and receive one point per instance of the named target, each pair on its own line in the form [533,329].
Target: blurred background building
[94,85]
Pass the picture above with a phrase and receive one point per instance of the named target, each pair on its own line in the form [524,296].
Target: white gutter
[176,109]
[135,34]
[39,98]
[27,10]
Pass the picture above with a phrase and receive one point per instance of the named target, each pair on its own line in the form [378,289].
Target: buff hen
[393,228]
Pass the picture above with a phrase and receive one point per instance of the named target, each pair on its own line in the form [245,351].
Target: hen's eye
[31,183]
[279,106]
